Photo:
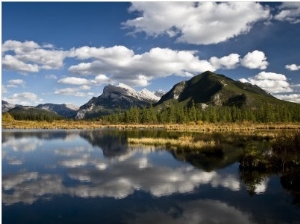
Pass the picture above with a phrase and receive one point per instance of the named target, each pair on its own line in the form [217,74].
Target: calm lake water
[96,177]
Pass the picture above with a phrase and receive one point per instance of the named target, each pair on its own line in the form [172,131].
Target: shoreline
[191,127]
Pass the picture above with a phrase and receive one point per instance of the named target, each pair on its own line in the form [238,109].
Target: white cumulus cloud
[289,97]
[227,62]
[84,87]
[119,63]
[19,47]
[25,98]
[124,65]
[271,82]
[15,83]
[99,79]
[72,92]
[289,11]
[74,81]
[196,23]
[29,56]
[255,60]
[119,55]
[10,62]
[85,84]
[293,67]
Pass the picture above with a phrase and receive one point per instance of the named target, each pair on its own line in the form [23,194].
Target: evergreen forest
[212,114]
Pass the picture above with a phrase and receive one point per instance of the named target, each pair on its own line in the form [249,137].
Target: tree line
[212,114]
[176,113]
[34,114]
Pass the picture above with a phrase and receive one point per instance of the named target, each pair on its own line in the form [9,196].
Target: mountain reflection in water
[70,170]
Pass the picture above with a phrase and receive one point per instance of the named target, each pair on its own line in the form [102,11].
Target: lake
[90,177]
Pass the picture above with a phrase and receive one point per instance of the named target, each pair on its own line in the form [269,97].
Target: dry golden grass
[183,141]
[51,125]
[191,127]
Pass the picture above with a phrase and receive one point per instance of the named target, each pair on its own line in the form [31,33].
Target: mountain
[114,98]
[6,106]
[111,145]
[205,89]
[64,110]
[210,88]
[55,110]
[33,113]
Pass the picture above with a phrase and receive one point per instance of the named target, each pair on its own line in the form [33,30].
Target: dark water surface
[96,177]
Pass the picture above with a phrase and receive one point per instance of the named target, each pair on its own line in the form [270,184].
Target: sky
[67,52]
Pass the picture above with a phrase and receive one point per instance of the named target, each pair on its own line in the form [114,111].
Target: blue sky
[67,52]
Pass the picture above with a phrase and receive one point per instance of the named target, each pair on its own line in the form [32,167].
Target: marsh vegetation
[281,158]
[283,155]
[260,155]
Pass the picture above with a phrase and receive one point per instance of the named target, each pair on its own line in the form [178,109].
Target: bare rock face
[216,99]
[174,93]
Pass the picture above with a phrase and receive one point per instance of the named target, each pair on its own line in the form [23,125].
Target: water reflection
[291,182]
[198,211]
[97,177]
[112,145]
[24,144]
[207,159]
[28,187]
[147,183]
[39,134]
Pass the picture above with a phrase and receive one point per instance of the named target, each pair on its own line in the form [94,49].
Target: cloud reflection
[261,187]
[199,211]
[13,161]
[116,179]
[11,181]
[140,174]
[92,174]
[29,187]
[23,145]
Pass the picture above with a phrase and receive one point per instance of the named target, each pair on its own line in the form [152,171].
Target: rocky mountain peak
[115,91]
[115,97]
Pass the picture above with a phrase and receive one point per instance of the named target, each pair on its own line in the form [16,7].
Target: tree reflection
[291,182]
[112,143]
[209,158]
[40,134]
[281,158]
[228,150]
[254,181]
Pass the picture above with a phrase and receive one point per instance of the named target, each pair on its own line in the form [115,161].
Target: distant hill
[64,110]
[33,113]
[210,88]
[114,98]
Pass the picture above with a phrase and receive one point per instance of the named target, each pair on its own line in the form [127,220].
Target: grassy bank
[203,127]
